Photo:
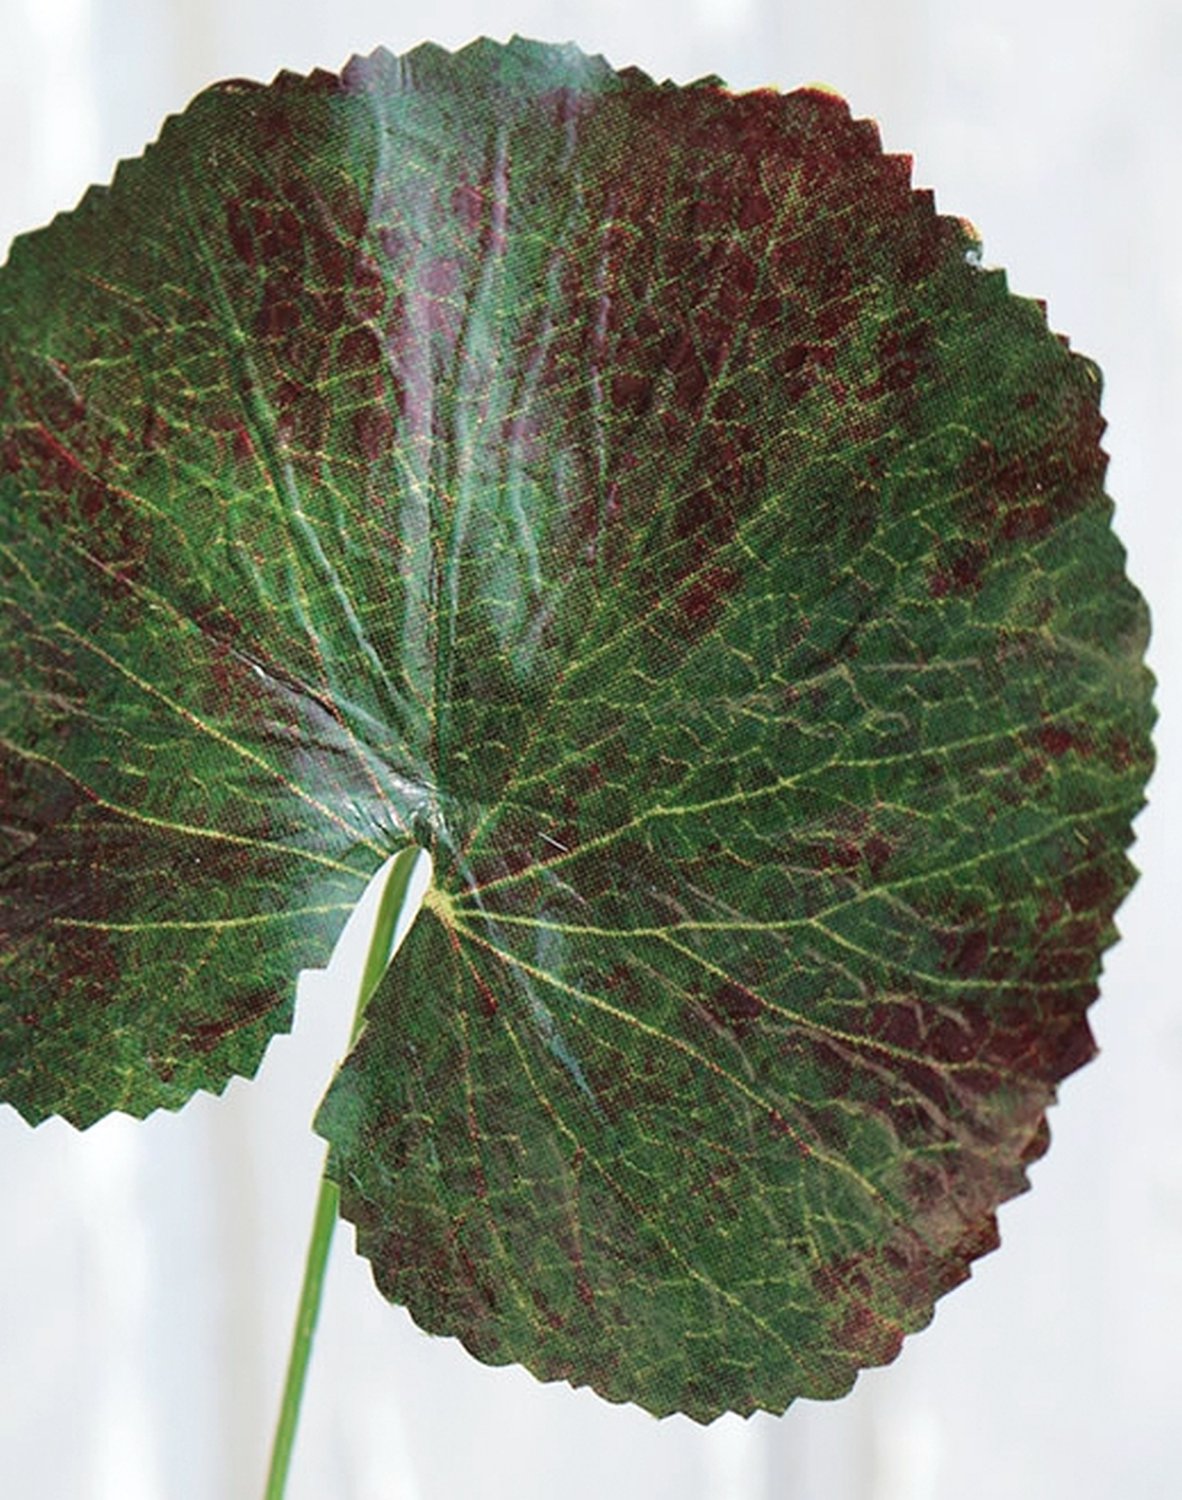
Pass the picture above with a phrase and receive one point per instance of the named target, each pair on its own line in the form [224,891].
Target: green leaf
[642,498]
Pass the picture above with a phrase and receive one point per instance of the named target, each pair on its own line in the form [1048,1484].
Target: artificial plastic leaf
[642,498]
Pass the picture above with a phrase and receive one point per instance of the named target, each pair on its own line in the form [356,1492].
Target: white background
[148,1272]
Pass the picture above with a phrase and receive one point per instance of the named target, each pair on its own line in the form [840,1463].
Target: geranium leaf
[642,497]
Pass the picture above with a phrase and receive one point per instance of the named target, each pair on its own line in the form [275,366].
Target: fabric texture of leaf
[642,498]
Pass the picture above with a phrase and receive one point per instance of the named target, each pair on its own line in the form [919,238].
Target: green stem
[390,905]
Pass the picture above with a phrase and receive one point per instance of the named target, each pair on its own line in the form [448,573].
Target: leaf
[641,497]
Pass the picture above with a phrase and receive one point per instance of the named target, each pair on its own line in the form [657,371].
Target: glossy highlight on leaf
[639,496]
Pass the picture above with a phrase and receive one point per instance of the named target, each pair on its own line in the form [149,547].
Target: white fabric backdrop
[148,1273]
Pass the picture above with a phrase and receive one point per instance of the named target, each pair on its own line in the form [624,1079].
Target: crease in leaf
[641,499]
